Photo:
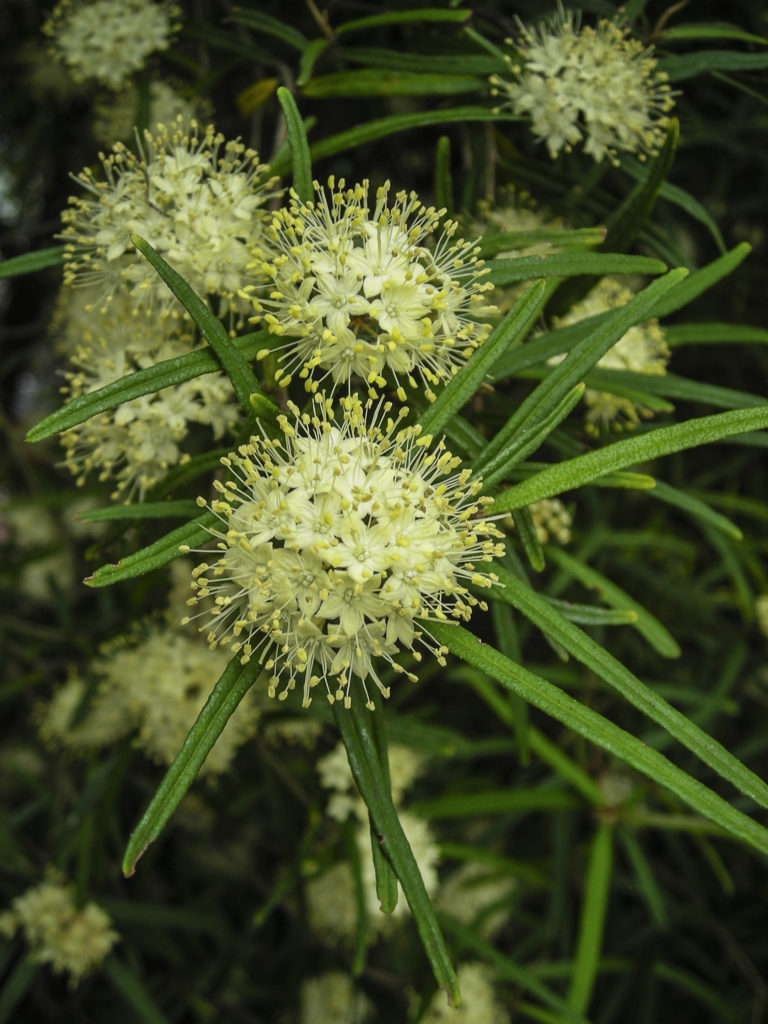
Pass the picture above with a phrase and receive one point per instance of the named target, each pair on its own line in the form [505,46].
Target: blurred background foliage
[217,923]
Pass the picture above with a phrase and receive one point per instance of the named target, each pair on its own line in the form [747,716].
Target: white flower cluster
[115,113]
[136,443]
[643,349]
[335,541]
[69,938]
[360,293]
[197,200]
[333,997]
[107,40]
[479,1001]
[595,86]
[153,685]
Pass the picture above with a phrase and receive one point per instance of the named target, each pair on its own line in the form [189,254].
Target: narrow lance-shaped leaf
[144,510]
[569,264]
[355,732]
[297,137]
[160,552]
[234,683]
[511,331]
[599,730]
[32,261]
[540,611]
[145,382]
[592,924]
[232,362]
[584,469]
[513,437]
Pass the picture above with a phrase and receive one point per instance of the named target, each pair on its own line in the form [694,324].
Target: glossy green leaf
[230,358]
[584,469]
[297,138]
[142,510]
[401,60]
[554,389]
[624,225]
[270,26]
[356,733]
[526,532]
[592,615]
[232,686]
[32,261]
[162,551]
[705,30]
[696,508]
[511,331]
[379,82]
[401,16]
[164,374]
[443,179]
[657,635]
[381,127]
[599,730]
[569,264]
[576,238]
[714,334]
[592,922]
[680,67]
[543,614]
[702,280]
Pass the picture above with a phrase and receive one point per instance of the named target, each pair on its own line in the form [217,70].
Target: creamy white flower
[332,997]
[108,40]
[360,292]
[320,569]
[479,1001]
[69,938]
[595,86]
[198,200]
[139,441]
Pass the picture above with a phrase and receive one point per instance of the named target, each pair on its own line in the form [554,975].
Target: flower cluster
[136,443]
[592,85]
[154,685]
[359,292]
[69,938]
[479,1001]
[643,349]
[198,200]
[107,40]
[115,113]
[334,542]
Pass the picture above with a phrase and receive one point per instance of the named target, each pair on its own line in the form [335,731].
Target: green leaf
[624,225]
[495,801]
[706,30]
[381,127]
[145,382]
[355,728]
[143,510]
[586,962]
[232,362]
[131,987]
[512,330]
[307,63]
[592,615]
[443,179]
[159,553]
[265,23]
[645,623]
[695,507]
[297,137]
[574,238]
[599,730]
[702,280]
[714,333]
[646,881]
[680,67]
[540,611]
[584,469]
[460,63]
[401,16]
[526,532]
[14,987]
[232,686]
[568,264]
[32,261]
[548,397]
[378,82]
